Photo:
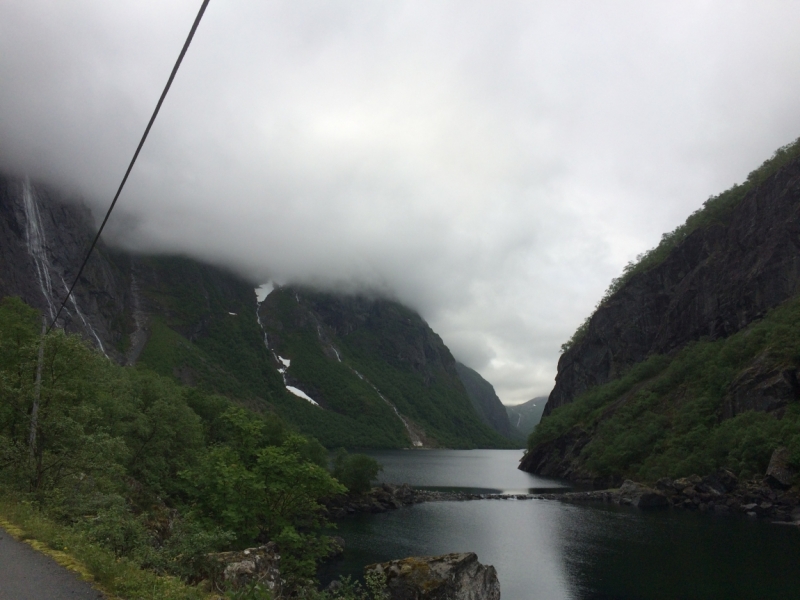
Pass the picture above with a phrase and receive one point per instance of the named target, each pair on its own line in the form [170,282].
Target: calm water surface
[551,550]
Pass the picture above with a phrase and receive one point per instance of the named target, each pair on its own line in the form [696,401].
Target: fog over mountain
[492,165]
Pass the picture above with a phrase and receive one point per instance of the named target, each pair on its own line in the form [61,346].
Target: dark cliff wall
[485,401]
[44,239]
[717,281]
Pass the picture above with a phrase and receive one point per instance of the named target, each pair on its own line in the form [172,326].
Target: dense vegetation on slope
[196,340]
[378,343]
[716,209]
[156,473]
[330,382]
[665,417]
[485,402]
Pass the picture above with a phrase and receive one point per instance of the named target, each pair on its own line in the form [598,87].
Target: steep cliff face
[720,279]
[692,363]
[373,360]
[44,239]
[485,401]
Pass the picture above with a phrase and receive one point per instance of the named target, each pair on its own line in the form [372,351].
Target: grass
[117,578]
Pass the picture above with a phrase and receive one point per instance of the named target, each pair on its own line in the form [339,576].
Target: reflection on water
[551,550]
[494,470]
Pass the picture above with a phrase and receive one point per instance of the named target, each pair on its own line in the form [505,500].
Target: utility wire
[135,156]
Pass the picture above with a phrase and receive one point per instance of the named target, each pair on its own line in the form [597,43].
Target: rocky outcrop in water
[447,577]
[714,283]
[720,493]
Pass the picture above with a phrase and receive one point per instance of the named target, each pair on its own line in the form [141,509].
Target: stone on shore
[779,474]
[255,565]
[447,577]
[641,496]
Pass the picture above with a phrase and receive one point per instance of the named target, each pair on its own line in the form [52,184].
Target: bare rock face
[763,389]
[780,475]
[255,565]
[447,577]
[717,281]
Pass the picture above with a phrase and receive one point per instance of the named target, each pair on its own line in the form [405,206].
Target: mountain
[524,417]
[376,361]
[203,326]
[484,400]
[687,364]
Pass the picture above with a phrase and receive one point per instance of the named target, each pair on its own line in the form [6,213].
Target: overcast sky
[492,164]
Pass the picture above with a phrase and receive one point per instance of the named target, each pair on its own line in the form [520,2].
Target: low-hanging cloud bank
[493,165]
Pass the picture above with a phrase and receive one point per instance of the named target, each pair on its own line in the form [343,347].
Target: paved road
[25,574]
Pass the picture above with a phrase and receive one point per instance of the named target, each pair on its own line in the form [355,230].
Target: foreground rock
[447,577]
[240,569]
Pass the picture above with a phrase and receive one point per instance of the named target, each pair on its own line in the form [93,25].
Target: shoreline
[719,493]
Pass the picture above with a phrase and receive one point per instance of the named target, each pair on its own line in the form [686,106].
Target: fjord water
[546,549]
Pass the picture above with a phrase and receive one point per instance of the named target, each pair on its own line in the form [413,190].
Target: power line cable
[135,156]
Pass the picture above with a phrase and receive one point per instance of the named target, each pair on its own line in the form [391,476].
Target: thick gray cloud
[493,164]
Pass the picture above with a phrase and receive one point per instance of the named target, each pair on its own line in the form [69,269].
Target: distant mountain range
[353,371]
[524,417]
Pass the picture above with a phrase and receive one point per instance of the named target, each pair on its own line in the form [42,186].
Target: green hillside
[340,347]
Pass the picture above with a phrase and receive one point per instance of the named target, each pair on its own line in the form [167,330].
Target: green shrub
[134,471]
[355,471]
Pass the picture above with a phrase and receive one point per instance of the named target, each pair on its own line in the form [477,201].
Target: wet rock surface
[447,577]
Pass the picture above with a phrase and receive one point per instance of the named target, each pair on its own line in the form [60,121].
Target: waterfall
[416,441]
[86,323]
[37,248]
[35,240]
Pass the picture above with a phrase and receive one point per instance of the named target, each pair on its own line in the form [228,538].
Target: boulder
[641,496]
[255,565]
[447,577]
[780,475]
[721,481]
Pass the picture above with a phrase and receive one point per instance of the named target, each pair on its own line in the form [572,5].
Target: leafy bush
[355,471]
[133,466]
